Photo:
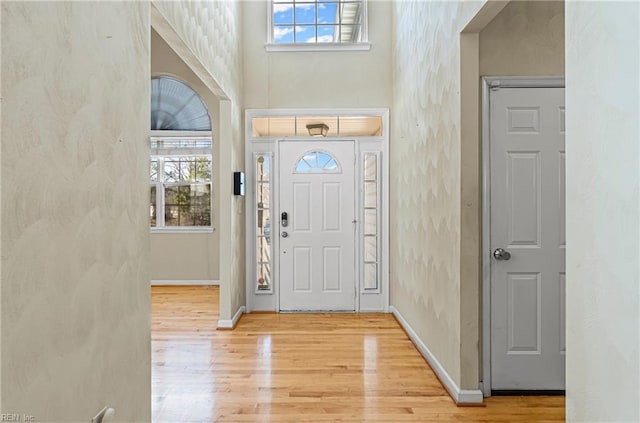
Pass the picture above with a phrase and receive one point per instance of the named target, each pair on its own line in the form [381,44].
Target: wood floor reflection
[302,368]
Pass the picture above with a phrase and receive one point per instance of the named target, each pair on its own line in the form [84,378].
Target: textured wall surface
[212,32]
[75,237]
[525,39]
[317,79]
[425,175]
[603,211]
[187,256]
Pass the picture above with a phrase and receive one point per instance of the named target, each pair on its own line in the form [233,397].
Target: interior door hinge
[495,85]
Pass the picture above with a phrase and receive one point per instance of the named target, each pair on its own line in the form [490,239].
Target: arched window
[176,107]
[317,162]
[181,158]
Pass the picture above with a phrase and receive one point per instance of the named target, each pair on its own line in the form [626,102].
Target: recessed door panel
[331,206]
[302,269]
[332,266]
[562,240]
[562,287]
[523,293]
[301,216]
[523,182]
[523,120]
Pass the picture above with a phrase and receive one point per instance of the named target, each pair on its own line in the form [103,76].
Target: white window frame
[160,184]
[363,45]
[318,170]
[379,215]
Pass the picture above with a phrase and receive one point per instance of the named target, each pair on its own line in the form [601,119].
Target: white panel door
[317,245]
[527,222]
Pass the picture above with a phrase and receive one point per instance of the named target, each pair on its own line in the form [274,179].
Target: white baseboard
[167,282]
[460,396]
[230,324]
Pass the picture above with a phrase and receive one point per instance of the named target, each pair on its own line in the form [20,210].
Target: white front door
[527,223]
[317,245]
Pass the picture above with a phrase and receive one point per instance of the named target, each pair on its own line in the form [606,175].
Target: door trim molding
[366,301]
[489,84]
[460,396]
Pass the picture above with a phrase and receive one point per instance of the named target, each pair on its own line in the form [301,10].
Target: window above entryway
[287,126]
[306,25]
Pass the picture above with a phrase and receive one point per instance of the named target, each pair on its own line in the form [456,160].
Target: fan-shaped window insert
[176,107]
[317,162]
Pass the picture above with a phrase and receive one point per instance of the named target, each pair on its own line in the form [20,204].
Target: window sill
[318,47]
[183,230]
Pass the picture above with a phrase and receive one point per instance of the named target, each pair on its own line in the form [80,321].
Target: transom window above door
[317,24]
[286,126]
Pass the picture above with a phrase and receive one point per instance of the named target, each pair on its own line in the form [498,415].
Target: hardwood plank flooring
[302,368]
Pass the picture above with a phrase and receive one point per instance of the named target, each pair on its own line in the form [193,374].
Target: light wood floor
[302,368]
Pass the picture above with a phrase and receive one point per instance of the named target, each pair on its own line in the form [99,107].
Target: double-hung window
[318,24]
[181,182]
[181,158]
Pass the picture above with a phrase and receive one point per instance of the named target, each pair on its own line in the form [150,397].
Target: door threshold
[527,392]
[318,311]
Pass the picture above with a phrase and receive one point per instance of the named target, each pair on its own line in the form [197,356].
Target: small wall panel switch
[238,183]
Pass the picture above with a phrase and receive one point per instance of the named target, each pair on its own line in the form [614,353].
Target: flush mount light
[317,129]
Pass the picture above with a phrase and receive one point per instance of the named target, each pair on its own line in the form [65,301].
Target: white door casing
[527,200]
[371,296]
[317,247]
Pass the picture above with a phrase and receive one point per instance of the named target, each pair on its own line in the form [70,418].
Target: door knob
[501,254]
[285,234]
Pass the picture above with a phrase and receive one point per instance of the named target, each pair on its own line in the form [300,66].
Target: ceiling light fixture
[317,129]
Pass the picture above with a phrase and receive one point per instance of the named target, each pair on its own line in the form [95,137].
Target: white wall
[75,238]
[525,39]
[317,79]
[603,211]
[208,37]
[187,256]
[184,257]
[426,183]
